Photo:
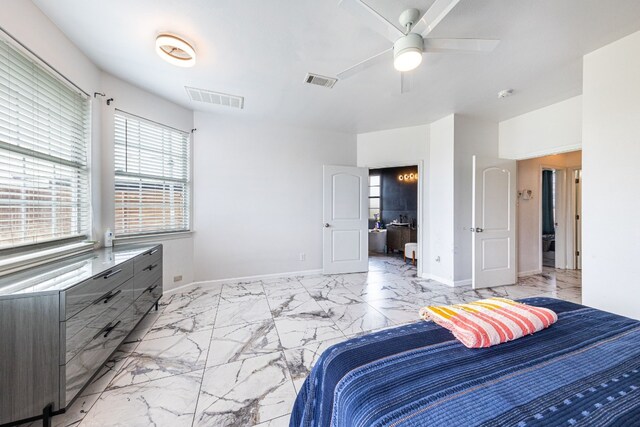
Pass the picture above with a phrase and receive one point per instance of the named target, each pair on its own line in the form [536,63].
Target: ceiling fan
[410,44]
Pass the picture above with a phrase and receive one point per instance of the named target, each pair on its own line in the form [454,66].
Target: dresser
[61,321]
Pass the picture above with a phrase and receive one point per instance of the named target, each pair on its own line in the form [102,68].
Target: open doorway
[393,215]
[549,230]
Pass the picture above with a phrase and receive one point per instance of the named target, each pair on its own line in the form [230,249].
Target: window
[44,138]
[374,196]
[151,177]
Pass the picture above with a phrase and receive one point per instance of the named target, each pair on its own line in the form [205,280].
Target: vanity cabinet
[61,321]
[398,235]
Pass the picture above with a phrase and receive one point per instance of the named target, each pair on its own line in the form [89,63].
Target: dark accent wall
[398,197]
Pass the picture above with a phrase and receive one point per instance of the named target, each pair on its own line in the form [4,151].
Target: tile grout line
[204,370]
[282,349]
[326,312]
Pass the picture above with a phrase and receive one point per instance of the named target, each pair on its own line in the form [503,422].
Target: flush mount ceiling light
[175,50]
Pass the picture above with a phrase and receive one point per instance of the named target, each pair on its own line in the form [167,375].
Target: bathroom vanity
[399,235]
[61,321]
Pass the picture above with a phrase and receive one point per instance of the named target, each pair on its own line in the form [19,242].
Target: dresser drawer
[84,294]
[81,328]
[148,298]
[147,270]
[81,368]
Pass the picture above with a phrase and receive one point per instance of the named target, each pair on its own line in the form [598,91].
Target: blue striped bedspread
[582,371]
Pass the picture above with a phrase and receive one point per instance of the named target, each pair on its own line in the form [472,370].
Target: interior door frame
[571,216]
[421,201]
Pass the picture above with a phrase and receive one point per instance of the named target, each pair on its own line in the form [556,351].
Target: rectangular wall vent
[215,98]
[316,79]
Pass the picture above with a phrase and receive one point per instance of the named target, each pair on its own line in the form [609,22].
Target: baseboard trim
[215,282]
[529,273]
[442,280]
[448,282]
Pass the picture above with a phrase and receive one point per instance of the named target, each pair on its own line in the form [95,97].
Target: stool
[410,248]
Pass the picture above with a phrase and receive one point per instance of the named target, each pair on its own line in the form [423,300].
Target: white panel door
[345,219]
[494,217]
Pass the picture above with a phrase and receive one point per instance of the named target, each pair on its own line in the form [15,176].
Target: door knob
[326,225]
[479,230]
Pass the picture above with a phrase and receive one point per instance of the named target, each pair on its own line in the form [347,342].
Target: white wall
[441,200]
[24,21]
[529,211]
[611,194]
[472,137]
[258,195]
[394,147]
[553,129]
[400,147]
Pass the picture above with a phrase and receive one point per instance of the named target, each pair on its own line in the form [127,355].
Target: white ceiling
[263,49]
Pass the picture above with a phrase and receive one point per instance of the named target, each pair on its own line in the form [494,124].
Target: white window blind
[151,177]
[44,137]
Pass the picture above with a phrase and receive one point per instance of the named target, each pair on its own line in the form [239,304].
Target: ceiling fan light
[407,60]
[175,50]
[407,52]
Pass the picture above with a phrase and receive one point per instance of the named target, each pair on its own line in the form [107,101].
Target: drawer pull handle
[111,328]
[151,252]
[111,273]
[151,288]
[106,297]
[151,267]
[106,330]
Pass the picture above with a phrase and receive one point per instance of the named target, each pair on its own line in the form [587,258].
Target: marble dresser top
[61,275]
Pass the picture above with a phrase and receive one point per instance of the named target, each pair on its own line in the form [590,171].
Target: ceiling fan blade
[406,82]
[459,45]
[432,17]
[372,18]
[383,56]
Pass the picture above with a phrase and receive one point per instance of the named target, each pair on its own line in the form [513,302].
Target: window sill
[17,263]
[157,236]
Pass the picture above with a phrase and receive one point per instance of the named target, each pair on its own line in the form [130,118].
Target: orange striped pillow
[490,321]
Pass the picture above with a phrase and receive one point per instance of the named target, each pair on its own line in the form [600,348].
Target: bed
[583,370]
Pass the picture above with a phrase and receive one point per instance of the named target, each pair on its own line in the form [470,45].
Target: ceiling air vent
[215,98]
[315,79]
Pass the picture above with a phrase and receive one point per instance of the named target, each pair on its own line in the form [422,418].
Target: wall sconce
[408,177]
[525,194]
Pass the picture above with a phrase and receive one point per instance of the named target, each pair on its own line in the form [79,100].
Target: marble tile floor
[235,354]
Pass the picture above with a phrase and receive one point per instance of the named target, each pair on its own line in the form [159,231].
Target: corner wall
[611,195]
[441,200]
[446,148]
